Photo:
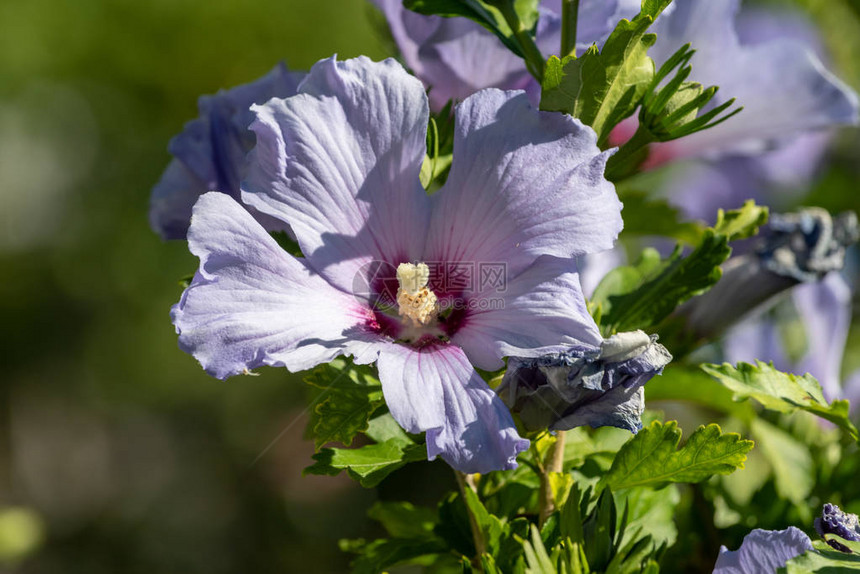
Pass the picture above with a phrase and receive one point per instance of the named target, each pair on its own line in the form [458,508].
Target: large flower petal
[210,152]
[782,85]
[252,304]
[456,62]
[172,199]
[435,389]
[541,307]
[763,551]
[340,163]
[410,31]
[523,183]
[825,309]
[755,339]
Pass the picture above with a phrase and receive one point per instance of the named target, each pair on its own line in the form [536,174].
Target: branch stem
[569,18]
[553,463]
[465,481]
[535,61]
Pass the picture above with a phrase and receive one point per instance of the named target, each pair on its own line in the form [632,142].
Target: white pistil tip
[415,300]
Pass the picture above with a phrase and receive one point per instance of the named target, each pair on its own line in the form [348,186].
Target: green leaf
[790,460]
[671,108]
[687,384]
[781,392]
[852,545]
[652,513]
[384,428]
[642,295]
[602,87]
[489,524]
[287,243]
[537,557]
[741,223]
[652,457]
[376,556]
[350,395]
[369,464]
[404,520]
[823,559]
[646,216]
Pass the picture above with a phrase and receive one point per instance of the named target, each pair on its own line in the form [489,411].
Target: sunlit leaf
[652,457]
[781,392]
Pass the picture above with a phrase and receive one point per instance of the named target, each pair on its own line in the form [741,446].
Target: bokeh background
[117,453]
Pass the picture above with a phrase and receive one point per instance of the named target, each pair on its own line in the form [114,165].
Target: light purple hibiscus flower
[456,57]
[763,551]
[209,152]
[774,176]
[782,84]
[340,162]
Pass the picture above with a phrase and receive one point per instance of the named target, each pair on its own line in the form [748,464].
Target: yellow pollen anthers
[415,300]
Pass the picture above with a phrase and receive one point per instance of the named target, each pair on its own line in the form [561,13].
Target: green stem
[554,463]
[465,481]
[534,59]
[569,17]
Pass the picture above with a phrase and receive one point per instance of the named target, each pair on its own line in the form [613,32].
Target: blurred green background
[117,453]
[127,456]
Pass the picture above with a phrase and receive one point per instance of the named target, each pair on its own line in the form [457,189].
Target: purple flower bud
[842,524]
[795,248]
[581,385]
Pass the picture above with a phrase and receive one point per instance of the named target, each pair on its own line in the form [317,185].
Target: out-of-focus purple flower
[585,384]
[793,248]
[209,153]
[482,269]
[456,57]
[782,84]
[801,253]
[842,524]
[776,177]
[763,551]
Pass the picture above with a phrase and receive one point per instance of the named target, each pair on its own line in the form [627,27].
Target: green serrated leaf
[642,295]
[781,392]
[652,457]
[350,395]
[684,383]
[822,559]
[602,87]
[741,223]
[370,464]
[852,545]
[404,520]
